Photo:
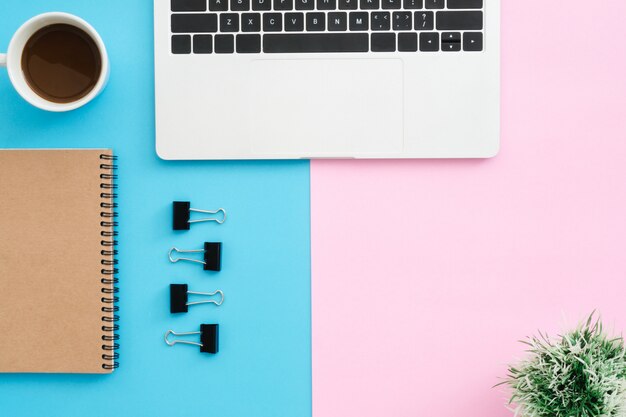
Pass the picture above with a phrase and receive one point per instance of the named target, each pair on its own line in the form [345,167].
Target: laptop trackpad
[325,107]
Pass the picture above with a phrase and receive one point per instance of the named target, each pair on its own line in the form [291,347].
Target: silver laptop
[278,79]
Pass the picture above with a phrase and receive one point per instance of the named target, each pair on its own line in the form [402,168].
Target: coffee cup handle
[3,60]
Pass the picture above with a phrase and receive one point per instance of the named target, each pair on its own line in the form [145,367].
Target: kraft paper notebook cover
[57,276]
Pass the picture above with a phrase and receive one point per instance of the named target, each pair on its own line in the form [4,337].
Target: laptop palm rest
[325,107]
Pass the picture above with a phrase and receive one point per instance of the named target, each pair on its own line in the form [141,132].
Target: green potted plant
[579,374]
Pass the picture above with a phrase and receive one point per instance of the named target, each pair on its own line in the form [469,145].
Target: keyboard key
[248,44]
[261,5]
[239,5]
[450,46]
[429,41]
[424,21]
[383,42]
[434,4]
[413,4]
[190,23]
[202,44]
[370,4]
[337,21]
[381,21]
[306,4]
[283,4]
[407,42]
[272,22]
[326,4]
[402,21]
[359,21]
[251,22]
[224,44]
[451,41]
[348,4]
[471,20]
[181,44]
[229,22]
[472,41]
[315,42]
[391,4]
[188,5]
[218,5]
[465,4]
[294,22]
[315,22]
[451,37]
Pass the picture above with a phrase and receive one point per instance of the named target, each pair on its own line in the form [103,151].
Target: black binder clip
[179,298]
[212,256]
[209,342]
[182,215]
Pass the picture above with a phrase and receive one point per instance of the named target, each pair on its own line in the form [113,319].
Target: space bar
[315,42]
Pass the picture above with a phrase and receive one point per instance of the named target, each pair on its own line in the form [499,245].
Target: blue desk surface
[264,366]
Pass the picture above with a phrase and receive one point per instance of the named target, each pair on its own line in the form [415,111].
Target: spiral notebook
[58,311]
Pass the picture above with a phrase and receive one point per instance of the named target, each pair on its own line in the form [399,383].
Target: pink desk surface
[426,273]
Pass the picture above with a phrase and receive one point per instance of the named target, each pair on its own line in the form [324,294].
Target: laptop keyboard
[321,26]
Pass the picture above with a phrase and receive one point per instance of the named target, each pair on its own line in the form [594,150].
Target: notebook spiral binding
[109,263]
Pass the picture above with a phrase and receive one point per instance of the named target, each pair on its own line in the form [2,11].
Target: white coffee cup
[13,60]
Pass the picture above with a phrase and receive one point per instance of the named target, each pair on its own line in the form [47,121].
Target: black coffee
[61,63]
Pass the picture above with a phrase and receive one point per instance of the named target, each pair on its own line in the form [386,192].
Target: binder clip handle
[185,342]
[210,219]
[210,294]
[174,260]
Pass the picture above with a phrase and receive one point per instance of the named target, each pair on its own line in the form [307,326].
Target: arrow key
[451,37]
[451,46]
[429,41]
[473,41]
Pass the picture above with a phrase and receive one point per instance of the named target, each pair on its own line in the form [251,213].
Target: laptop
[288,79]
